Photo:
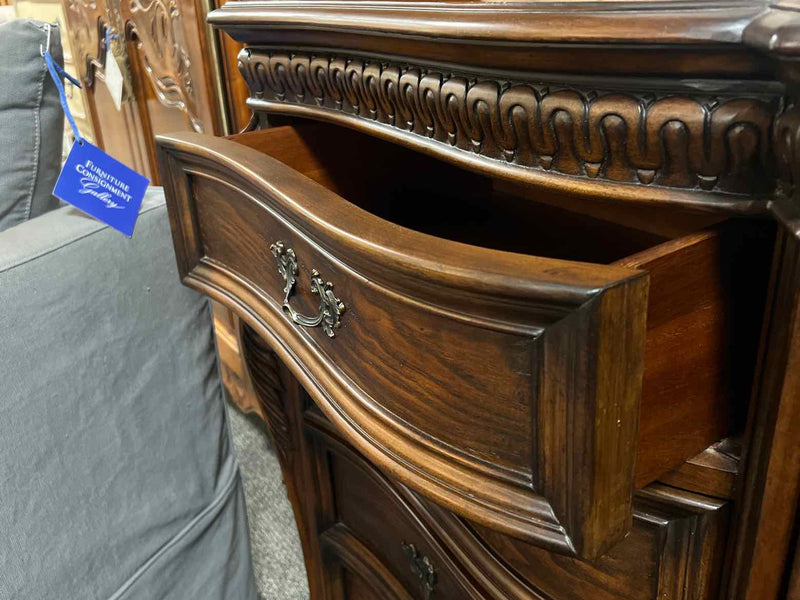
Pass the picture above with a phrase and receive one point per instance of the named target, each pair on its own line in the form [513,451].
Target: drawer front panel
[374,522]
[418,357]
[503,386]
[673,552]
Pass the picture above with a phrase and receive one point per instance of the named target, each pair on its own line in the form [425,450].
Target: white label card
[114,80]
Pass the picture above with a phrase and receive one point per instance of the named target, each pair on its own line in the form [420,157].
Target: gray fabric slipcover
[31,122]
[117,478]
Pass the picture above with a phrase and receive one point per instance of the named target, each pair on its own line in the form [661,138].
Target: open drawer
[502,377]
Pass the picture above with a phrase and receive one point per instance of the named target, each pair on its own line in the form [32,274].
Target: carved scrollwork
[287,267]
[157,29]
[719,143]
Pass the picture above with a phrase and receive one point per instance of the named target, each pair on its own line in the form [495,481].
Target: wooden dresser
[519,284]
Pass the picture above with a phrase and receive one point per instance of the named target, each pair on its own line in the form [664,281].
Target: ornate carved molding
[676,140]
[156,28]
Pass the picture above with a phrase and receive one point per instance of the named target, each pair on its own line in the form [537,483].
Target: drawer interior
[708,276]
[430,196]
[708,273]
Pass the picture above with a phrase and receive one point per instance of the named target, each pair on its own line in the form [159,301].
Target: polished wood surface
[769,494]
[526,131]
[411,302]
[562,250]
[673,551]
[508,375]
[712,472]
[234,86]
[715,22]
[707,290]
[363,521]
[622,37]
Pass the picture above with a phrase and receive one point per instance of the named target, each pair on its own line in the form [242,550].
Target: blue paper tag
[101,186]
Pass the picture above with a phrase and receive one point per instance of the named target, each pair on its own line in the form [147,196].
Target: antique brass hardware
[330,307]
[423,568]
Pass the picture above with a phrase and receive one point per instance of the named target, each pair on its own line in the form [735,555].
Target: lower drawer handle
[423,568]
[330,307]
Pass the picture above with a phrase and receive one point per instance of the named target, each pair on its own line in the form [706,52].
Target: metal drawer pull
[330,307]
[423,568]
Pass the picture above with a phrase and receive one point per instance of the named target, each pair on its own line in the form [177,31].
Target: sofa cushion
[117,478]
[31,122]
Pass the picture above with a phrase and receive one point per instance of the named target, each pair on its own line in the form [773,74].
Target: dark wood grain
[503,361]
[362,506]
[793,592]
[540,20]
[770,488]
[673,552]
[536,131]
[713,472]
[356,518]
[496,323]
[709,295]
[343,550]
[592,113]
[414,309]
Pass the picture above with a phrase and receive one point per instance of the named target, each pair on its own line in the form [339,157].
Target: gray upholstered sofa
[117,476]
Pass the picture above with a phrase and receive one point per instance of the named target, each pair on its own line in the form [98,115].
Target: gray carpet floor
[277,557]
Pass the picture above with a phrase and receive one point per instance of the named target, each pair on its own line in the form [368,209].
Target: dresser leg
[282,399]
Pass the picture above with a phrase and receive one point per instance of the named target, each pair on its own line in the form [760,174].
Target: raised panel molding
[156,28]
[677,533]
[703,142]
[339,545]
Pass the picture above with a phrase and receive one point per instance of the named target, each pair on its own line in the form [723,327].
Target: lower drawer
[380,540]
[674,551]
[373,545]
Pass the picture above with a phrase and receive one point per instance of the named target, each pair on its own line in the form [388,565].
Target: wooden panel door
[170,67]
